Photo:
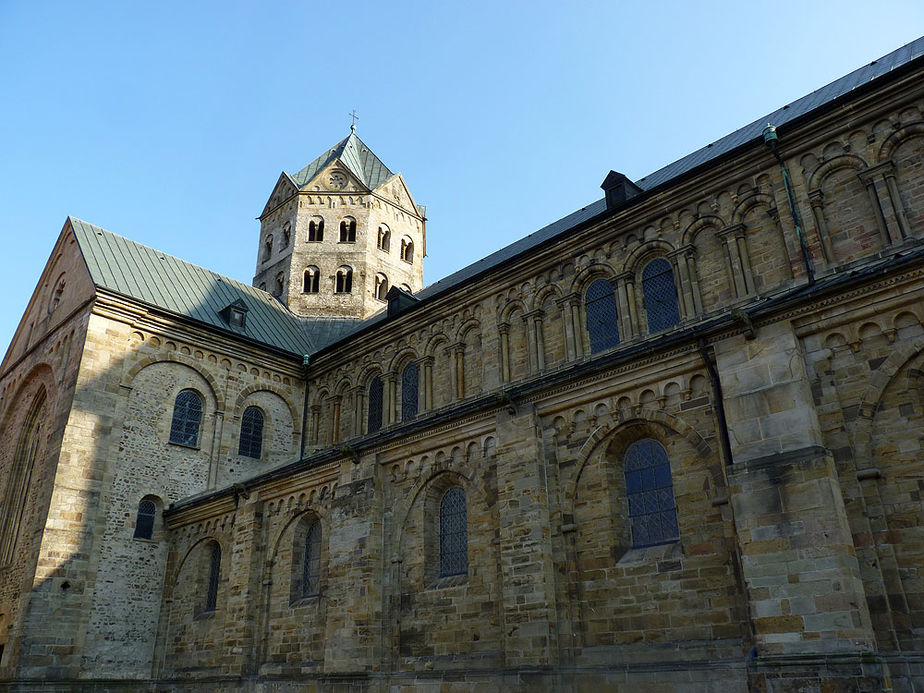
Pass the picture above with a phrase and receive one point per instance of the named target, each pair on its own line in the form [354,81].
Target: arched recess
[417,573]
[893,406]
[846,211]
[280,432]
[768,257]
[215,390]
[709,263]
[905,149]
[473,365]
[514,346]
[552,337]
[438,387]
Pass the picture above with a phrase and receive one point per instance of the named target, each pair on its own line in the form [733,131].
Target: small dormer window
[235,314]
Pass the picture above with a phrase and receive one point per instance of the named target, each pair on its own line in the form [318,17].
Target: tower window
[268,248]
[384,238]
[187,415]
[381,286]
[344,283]
[348,230]
[251,442]
[315,230]
[278,284]
[286,235]
[407,249]
[311,280]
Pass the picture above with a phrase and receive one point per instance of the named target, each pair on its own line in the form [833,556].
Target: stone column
[689,256]
[216,447]
[359,398]
[504,330]
[533,321]
[622,305]
[567,304]
[459,351]
[797,552]
[315,423]
[391,393]
[741,243]
[898,209]
[729,238]
[678,260]
[335,418]
[635,327]
[427,363]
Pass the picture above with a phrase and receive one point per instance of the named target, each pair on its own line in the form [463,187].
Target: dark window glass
[211,594]
[344,280]
[375,404]
[348,230]
[410,380]
[144,522]
[660,296]
[602,316]
[453,533]
[251,444]
[316,230]
[187,415]
[311,569]
[650,493]
[311,281]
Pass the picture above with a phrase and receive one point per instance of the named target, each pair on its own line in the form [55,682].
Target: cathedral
[673,441]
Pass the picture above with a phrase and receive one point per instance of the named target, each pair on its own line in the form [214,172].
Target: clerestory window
[187,417]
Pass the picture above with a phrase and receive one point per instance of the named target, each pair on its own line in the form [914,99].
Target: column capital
[733,231]
[816,197]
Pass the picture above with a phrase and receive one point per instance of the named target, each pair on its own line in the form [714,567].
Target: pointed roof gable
[356,156]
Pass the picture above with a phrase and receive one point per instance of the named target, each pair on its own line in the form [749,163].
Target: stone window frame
[149,506]
[347,230]
[384,238]
[638,484]
[185,419]
[343,280]
[407,249]
[404,383]
[311,280]
[434,495]
[301,527]
[381,286]
[315,229]
[255,435]
[280,284]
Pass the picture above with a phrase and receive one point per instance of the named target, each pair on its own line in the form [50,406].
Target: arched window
[410,381]
[187,415]
[407,249]
[268,248]
[384,238]
[660,295]
[286,235]
[344,280]
[316,230]
[278,284]
[453,533]
[19,481]
[376,391]
[602,316]
[311,561]
[312,280]
[348,230]
[212,578]
[144,521]
[251,443]
[381,286]
[650,494]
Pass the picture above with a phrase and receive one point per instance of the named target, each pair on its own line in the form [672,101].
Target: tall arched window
[602,316]
[410,381]
[384,241]
[407,249]
[212,578]
[660,295]
[376,391]
[268,248]
[19,481]
[453,533]
[650,494]
[311,561]
[381,286]
[187,416]
[144,521]
[344,282]
[348,230]
[251,442]
[316,229]
[312,280]
[286,235]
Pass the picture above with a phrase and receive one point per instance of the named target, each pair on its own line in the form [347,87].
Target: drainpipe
[306,360]
[771,139]
[718,401]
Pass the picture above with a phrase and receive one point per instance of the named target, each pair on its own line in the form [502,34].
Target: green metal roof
[163,281]
[356,156]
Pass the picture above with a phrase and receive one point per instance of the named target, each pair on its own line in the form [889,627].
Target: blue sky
[170,122]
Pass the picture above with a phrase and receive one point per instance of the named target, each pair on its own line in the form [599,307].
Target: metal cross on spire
[355,118]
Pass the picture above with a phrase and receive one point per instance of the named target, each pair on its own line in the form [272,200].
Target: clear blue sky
[169,122]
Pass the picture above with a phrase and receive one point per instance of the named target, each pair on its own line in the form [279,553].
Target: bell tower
[337,235]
